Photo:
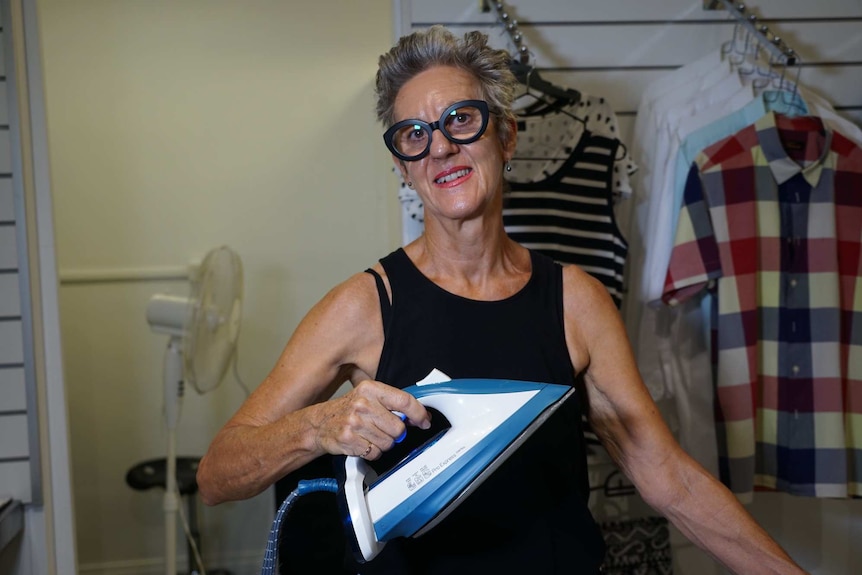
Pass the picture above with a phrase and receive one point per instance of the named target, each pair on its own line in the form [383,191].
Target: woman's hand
[362,423]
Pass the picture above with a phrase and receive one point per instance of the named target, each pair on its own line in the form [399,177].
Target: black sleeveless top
[531,515]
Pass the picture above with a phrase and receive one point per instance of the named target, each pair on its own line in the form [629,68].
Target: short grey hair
[437,46]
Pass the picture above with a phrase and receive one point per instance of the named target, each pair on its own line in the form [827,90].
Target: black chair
[152,473]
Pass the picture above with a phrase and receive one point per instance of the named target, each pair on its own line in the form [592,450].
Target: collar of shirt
[782,166]
[777,101]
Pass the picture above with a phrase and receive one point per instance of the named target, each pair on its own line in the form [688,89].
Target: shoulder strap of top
[549,272]
[385,304]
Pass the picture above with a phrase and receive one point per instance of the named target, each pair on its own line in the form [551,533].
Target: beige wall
[174,127]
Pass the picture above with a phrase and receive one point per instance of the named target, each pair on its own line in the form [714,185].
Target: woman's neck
[490,268]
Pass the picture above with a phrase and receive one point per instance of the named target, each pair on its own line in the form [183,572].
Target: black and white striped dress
[562,193]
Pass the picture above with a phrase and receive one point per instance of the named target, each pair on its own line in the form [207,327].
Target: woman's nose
[441,146]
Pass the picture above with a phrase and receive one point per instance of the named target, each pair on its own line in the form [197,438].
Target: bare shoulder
[590,315]
[585,298]
[581,287]
[340,336]
[353,299]
[347,320]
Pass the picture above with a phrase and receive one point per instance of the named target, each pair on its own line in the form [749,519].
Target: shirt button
[792,283]
[795,369]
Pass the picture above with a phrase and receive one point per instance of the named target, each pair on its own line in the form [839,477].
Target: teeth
[453,176]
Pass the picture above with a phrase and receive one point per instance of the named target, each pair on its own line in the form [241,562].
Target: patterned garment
[772,223]
[560,201]
[546,140]
[638,547]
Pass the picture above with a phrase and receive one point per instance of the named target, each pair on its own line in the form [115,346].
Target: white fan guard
[212,328]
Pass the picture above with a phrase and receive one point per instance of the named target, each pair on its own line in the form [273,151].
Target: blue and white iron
[488,420]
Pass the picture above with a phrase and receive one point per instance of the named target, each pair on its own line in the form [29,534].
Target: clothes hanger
[549,98]
[787,89]
[527,74]
[743,58]
[564,98]
[530,77]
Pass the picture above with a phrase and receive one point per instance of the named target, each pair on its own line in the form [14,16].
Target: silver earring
[508,167]
[409,184]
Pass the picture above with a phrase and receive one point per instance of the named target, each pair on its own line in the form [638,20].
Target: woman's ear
[402,167]
[510,145]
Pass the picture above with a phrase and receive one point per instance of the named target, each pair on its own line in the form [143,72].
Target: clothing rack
[774,44]
[511,27]
[521,67]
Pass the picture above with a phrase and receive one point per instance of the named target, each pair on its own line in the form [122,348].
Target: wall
[175,127]
[615,48]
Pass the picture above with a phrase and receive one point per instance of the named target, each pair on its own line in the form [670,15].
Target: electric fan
[203,330]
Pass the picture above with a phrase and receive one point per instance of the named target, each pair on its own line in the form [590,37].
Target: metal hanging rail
[511,27]
[525,72]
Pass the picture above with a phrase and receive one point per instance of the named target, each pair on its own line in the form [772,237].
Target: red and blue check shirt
[771,224]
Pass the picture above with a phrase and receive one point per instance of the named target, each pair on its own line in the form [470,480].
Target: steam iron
[476,425]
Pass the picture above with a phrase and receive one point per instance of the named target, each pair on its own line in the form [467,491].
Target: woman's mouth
[452,176]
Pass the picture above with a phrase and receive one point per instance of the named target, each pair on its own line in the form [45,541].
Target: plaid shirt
[771,222]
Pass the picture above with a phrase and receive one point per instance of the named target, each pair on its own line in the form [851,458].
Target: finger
[406,407]
[385,432]
[394,400]
[362,420]
[394,425]
[366,454]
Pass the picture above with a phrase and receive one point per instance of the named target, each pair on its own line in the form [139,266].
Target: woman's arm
[289,419]
[632,430]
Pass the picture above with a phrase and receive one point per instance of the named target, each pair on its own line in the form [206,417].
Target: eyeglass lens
[458,125]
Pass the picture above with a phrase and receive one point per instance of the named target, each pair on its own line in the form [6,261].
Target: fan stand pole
[173,375]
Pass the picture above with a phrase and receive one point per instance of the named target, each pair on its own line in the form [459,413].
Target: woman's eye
[463,121]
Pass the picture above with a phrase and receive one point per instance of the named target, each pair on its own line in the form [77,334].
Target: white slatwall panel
[657,45]
[13,430]
[12,390]
[5,151]
[8,247]
[15,479]
[14,425]
[615,48]
[11,345]
[4,105]
[7,202]
[550,11]
[10,303]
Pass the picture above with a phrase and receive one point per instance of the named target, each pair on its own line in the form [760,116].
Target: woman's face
[455,181]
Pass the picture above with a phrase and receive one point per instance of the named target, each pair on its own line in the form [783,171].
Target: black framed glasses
[462,123]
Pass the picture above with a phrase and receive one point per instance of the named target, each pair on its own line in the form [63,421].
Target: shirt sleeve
[694,260]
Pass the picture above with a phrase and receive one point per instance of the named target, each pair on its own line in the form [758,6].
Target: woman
[467,300]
